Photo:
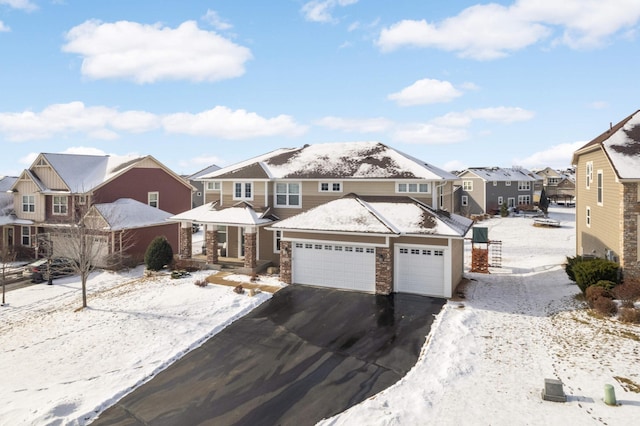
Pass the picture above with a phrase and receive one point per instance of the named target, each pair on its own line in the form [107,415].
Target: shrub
[605,306]
[188,265]
[569,265]
[201,283]
[630,315]
[594,293]
[590,272]
[627,292]
[158,254]
[606,284]
[504,210]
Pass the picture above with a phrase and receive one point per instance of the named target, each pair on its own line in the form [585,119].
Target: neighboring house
[199,192]
[485,189]
[608,196]
[559,185]
[59,189]
[359,216]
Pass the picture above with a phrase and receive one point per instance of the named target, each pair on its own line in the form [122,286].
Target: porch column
[250,248]
[185,240]
[285,262]
[211,241]
[384,270]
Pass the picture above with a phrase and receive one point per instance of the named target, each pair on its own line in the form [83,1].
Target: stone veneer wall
[211,242]
[250,250]
[185,242]
[285,262]
[631,215]
[384,270]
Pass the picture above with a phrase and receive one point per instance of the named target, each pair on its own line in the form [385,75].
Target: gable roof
[241,213]
[205,171]
[126,213]
[377,215]
[346,160]
[621,145]
[492,174]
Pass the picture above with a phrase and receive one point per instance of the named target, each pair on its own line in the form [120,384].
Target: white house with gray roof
[485,189]
[357,216]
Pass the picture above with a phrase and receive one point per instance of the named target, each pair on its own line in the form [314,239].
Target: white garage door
[420,270]
[334,265]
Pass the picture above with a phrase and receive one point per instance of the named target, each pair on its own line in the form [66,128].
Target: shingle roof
[126,213]
[239,214]
[500,174]
[347,160]
[621,144]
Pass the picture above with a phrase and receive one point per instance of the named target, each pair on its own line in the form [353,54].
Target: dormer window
[414,188]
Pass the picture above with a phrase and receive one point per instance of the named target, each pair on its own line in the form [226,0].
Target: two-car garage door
[344,266]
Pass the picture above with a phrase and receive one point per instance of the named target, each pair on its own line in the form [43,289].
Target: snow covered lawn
[61,365]
[488,355]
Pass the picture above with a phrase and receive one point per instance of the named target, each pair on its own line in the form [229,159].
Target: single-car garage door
[333,265]
[420,270]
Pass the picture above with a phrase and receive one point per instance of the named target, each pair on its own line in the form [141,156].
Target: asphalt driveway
[306,354]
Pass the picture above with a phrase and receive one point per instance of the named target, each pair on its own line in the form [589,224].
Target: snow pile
[488,355]
[64,366]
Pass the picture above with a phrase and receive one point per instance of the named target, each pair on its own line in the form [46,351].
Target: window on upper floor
[81,200]
[243,191]
[600,189]
[414,188]
[60,204]
[330,187]
[589,174]
[524,186]
[212,186]
[495,183]
[507,183]
[28,203]
[288,194]
[467,185]
[153,199]
[553,181]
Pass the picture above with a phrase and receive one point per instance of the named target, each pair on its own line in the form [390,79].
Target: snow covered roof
[82,173]
[238,214]
[621,144]
[6,182]
[377,215]
[126,213]
[500,174]
[346,160]
[11,219]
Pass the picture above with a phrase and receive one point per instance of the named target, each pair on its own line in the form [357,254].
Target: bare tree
[89,244]
[7,256]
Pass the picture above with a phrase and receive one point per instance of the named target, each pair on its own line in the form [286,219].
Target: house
[359,216]
[559,185]
[485,189]
[194,180]
[59,189]
[608,195]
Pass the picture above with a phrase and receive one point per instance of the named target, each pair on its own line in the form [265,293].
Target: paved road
[304,355]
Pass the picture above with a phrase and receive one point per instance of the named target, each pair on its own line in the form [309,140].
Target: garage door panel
[420,270]
[335,266]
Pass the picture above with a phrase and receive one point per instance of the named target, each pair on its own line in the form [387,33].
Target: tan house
[359,216]
[608,195]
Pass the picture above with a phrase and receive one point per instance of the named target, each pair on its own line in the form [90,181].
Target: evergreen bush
[158,254]
[504,210]
[590,272]
[571,262]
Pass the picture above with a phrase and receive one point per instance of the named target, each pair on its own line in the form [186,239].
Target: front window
[277,240]
[524,199]
[28,203]
[26,236]
[500,201]
[600,182]
[154,199]
[243,191]
[465,200]
[288,194]
[330,187]
[524,186]
[467,185]
[416,188]
[60,204]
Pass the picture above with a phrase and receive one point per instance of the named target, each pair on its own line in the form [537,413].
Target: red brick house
[57,189]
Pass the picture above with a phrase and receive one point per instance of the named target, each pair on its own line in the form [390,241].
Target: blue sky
[194,83]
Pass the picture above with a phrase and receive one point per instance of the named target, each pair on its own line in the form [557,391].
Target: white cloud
[429,134]
[425,91]
[454,165]
[225,123]
[84,150]
[501,114]
[320,10]
[4,28]
[598,105]
[201,162]
[556,157]
[149,53]
[214,19]
[74,117]
[581,24]
[20,4]
[364,125]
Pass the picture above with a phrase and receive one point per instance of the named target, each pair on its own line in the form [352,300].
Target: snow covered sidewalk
[488,355]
